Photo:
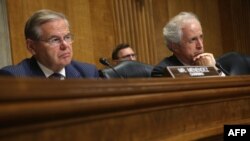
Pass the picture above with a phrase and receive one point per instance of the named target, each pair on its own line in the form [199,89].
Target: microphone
[221,68]
[105,62]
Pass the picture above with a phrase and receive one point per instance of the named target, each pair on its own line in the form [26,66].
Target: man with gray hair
[49,40]
[184,38]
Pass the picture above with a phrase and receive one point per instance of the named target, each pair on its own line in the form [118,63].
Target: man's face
[54,48]
[126,54]
[191,43]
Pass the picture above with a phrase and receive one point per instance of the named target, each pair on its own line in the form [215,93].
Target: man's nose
[131,57]
[64,44]
[199,43]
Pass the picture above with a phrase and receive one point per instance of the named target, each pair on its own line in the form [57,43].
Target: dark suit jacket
[29,68]
[160,69]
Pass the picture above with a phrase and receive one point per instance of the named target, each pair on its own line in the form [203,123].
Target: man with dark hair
[49,40]
[125,64]
[123,52]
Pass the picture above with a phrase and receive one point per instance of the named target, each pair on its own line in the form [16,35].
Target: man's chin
[65,62]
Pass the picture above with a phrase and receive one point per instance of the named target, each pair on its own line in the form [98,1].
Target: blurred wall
[5,51]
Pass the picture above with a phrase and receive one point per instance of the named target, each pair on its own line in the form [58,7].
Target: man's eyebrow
[55,36]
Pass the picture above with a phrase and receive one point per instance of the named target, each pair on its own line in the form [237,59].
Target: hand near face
[204,59]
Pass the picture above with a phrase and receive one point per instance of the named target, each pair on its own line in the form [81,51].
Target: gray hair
[172,31]
[32,26]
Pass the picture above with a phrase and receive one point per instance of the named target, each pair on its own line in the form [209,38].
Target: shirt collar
[48,71]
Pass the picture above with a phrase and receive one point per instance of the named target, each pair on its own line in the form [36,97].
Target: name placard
[191,71]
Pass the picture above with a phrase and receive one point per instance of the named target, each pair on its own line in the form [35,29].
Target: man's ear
[174,47]
[30,44]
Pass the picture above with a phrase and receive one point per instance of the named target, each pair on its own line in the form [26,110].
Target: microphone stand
[221,68]
[106,63]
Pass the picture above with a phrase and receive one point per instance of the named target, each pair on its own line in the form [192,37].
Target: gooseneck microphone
[221,68]
[105,62]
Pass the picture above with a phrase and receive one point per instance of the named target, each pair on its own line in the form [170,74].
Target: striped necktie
[56,76]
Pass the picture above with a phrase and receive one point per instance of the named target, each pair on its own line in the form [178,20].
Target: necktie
[56,76]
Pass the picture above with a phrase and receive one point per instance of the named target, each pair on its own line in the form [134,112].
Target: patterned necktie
[56,76]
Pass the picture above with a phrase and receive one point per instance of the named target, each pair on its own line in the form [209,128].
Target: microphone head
[104,61]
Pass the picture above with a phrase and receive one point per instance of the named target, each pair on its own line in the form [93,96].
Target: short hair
[172,31]
[32,26]
[117,49]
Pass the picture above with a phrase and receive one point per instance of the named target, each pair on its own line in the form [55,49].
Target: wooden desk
[153,109]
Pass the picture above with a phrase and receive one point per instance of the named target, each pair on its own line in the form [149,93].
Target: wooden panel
[161,17]
[16,17]
[226,24]
[134,25]
[122,110]
[80,19]
[102,28]
[235,23]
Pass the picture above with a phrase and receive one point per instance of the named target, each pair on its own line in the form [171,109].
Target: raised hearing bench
[152,109]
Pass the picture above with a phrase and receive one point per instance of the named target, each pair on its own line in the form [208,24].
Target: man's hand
[204,59]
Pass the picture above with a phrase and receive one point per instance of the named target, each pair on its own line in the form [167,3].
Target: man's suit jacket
[160,69]
[29,68]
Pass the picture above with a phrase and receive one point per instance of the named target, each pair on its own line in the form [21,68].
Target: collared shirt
[48,72]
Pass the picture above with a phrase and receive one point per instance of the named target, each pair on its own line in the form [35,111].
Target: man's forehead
[126,50]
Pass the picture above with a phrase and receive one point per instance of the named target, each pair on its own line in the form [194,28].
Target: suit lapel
[71,72]
[35,70]
[174,61]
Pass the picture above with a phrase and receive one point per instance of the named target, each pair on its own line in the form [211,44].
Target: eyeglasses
[128,57]
[56,41]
